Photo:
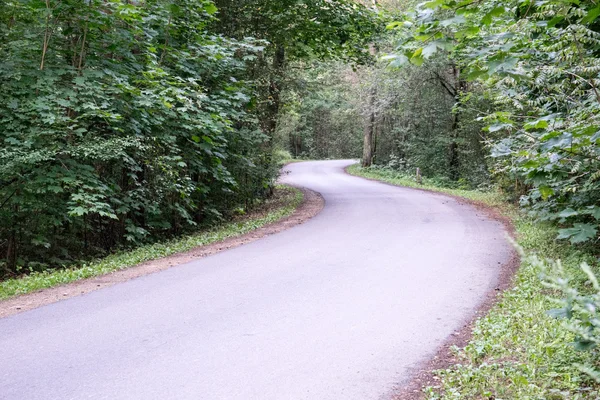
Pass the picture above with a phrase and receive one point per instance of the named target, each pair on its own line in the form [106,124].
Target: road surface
[342,307]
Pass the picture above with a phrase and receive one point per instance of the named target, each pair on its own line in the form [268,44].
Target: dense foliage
[297,31]
[529,71]
[130,122]
[538,63]
[420,124]
[501,96]
[123,122]
[329,107]
[321,118]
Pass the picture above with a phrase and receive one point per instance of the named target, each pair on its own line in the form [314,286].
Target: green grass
[493,199]
[118,261]
[517,350]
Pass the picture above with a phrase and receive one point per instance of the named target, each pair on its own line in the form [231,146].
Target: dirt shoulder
[311,205]
[423,375]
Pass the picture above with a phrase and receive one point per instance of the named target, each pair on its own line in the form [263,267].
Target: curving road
[342,307]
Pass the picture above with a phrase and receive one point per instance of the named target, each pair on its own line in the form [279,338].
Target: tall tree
[120,122]
[539,61]
[298,30]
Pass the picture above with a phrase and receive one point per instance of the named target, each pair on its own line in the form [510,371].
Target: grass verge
[282,205]
[517,351]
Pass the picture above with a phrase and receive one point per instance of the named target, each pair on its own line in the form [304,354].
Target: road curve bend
[343,307]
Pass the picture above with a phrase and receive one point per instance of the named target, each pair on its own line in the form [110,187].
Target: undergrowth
[518,350]
[291,199]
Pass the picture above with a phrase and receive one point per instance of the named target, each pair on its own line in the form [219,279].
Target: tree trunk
[11,252]
[453,156]
[275,87]
[453,161]
[368,146]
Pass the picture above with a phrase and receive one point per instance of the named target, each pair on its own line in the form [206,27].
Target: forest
[127,122]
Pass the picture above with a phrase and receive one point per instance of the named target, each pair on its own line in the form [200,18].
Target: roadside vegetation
[524,348]
[496,101]
[281,205]
[523,78]
[125,124]
[127,127]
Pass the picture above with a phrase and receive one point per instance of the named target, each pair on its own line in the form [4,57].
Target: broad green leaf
[429,50]
[594,211]
[210,8]
[433,4]
[579,233]
[561,313]
[546,191]
[591,15]
[457,20]
[539,124]
[568,212]
[554,21]
[497,11]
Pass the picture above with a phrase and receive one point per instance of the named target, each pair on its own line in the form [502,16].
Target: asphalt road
[344,306]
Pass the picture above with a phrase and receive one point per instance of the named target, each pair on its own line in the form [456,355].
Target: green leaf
[560,313]
[546,191]
[78,211]
[393,25]
[569,212]
[487,18]
[520,380]
[579,233]
[591,15]
[537,124]
[55,189]
[584,345]
[417,57]
[498,127]
[458,20]
[429,50]
[433,4]
[475,73]
[210,8]
[594,211]
[554,21]
[502,64]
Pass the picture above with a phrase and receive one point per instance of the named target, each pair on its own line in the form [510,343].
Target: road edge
[423,375]
[312,204]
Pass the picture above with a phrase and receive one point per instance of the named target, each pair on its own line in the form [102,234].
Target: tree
[539,62]
[321,116]
[298,30]
[120,123]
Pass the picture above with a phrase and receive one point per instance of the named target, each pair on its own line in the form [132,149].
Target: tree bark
[368,145]
[11,252]
[453,156]
[275,87]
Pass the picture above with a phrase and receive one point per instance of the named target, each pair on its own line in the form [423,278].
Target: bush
[110,142]
[579,307]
